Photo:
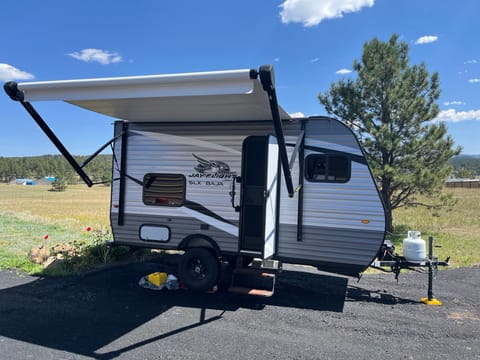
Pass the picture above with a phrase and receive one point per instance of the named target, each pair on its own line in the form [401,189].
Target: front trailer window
[327,168]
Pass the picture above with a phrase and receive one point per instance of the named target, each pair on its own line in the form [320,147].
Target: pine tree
[390,106]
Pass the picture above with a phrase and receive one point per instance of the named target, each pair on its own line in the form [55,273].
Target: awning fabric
[193,97]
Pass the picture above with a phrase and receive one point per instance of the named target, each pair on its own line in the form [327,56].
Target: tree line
[36,167]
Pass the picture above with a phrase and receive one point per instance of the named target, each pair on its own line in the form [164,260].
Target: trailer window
[164,189]
[327,168]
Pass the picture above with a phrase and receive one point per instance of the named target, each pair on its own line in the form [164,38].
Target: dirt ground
[312,315]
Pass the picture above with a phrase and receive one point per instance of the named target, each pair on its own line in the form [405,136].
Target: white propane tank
[414,248]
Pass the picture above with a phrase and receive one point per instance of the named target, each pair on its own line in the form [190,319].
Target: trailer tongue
[387,258]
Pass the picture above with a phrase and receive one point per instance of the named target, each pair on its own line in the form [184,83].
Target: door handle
[232,193]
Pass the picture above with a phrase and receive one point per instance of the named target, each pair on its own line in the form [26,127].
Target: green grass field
[27,213]
[456,230]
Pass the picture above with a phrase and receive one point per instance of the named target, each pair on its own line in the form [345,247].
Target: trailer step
[250,291]
[252,281]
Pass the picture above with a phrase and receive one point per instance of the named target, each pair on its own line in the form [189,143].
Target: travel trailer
[210,164]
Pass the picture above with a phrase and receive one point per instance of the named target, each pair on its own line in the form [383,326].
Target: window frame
[180,177]
[328,158]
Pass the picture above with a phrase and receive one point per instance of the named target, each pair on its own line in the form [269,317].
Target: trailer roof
[202,96]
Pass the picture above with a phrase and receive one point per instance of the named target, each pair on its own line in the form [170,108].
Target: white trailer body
[337,224]
[210,160]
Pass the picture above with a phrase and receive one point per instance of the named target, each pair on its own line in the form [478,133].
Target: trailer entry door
[259,196]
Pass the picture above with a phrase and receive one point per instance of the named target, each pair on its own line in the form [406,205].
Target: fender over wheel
[198,269]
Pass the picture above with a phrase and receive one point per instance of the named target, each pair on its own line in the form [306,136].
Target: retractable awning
[235,95]
[204,96]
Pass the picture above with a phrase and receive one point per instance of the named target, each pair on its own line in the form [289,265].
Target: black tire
[198,269]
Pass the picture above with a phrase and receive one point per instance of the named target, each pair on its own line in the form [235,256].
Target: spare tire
[198,269]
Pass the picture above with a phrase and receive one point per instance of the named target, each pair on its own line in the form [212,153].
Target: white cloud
[473,61]
[103,57]
[454,102]
[9,72]
[343,71]
[297,115]
[426,39]
[312,12]
[314,60]
[472,81]
[452,115]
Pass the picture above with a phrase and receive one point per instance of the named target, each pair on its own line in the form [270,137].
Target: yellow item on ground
[434,301]
[157,278]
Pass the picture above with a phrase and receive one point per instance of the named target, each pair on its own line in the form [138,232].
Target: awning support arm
[266,78]
[296,149]
[95,154]
[56,141]
[11,88]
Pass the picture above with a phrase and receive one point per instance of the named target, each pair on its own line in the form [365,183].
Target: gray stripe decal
[356,158]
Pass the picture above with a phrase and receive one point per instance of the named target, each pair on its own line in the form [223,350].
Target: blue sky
[311,44]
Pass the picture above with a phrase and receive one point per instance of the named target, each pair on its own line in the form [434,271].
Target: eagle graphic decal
[211,166]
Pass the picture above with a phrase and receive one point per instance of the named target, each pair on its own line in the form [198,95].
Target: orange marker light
[365,221]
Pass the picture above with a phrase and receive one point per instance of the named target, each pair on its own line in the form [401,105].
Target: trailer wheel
[198,269]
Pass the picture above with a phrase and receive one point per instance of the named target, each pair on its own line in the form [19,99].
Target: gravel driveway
[106,315]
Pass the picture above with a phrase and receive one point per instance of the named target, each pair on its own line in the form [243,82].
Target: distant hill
[466,166]
[469,156]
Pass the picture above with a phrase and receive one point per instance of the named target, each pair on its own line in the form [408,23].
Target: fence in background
[463,183]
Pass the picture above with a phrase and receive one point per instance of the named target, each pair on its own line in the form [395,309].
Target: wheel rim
[197,269]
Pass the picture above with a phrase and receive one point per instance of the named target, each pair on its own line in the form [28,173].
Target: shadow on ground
[82,314]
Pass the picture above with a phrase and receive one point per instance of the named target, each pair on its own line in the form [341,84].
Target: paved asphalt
[106,315]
